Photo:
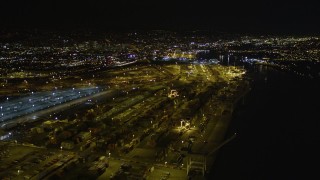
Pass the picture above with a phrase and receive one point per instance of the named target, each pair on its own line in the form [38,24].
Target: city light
[160,101]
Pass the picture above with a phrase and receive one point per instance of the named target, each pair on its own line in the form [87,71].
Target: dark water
[278,130]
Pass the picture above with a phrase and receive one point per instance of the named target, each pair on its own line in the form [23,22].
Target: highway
[39,104]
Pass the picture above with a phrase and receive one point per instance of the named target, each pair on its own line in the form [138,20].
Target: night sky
[230,16]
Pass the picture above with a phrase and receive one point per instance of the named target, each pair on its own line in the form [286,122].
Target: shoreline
[204,154]
[225,121]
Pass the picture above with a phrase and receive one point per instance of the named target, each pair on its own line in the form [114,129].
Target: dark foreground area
[278,128]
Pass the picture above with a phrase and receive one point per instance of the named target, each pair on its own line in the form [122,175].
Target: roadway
[41,105]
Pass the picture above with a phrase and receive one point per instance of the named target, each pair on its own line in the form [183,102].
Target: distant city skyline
[244,16]
[82,102]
